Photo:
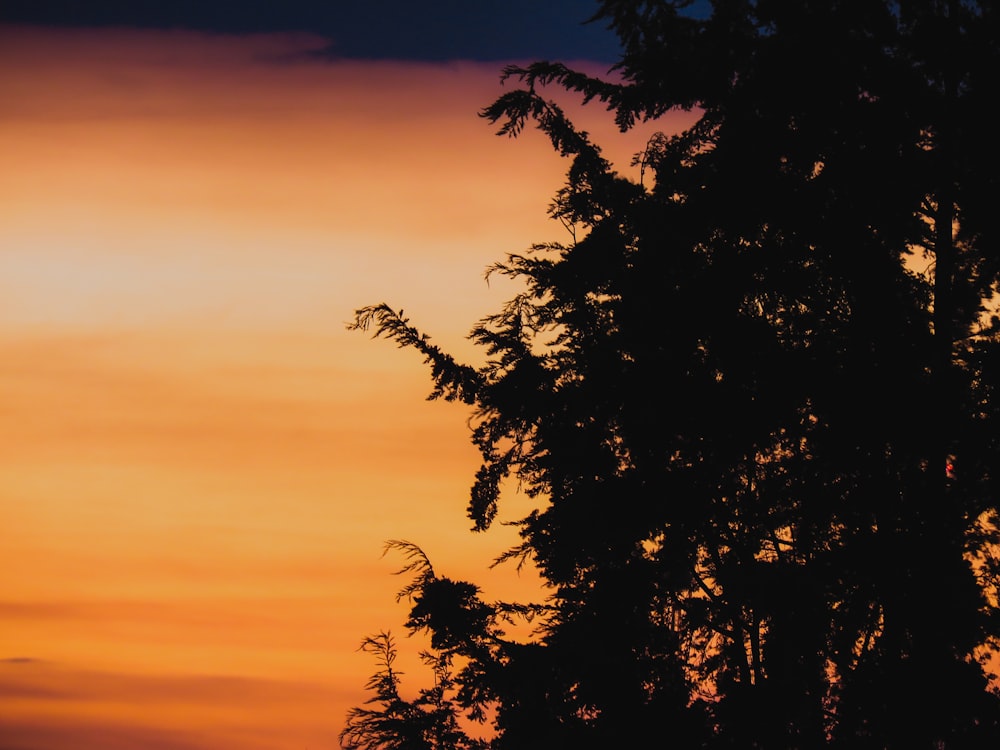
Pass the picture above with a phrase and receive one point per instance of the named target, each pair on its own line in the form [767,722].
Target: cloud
[56,707]
[395,29]
[31,677]
[54,734]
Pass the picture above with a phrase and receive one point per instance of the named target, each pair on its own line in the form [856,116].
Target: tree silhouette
[755,397]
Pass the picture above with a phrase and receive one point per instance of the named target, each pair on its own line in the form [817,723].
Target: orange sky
[199,465]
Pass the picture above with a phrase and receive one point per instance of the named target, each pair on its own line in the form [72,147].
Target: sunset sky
[199,465]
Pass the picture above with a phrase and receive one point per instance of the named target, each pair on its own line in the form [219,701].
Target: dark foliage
[756,400]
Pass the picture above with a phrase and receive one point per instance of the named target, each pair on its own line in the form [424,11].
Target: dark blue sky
[381,29]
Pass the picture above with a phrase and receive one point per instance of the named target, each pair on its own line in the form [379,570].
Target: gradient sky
[199,465]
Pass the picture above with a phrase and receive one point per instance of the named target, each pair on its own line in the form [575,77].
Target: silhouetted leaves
[452,381]
[755,397]
[429,722]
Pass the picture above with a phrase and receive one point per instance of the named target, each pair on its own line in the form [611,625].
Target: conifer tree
[755,396]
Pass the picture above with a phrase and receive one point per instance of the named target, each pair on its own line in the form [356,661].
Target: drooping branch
[452,381]
[416,561]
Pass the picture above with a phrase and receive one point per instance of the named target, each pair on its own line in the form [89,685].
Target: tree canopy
[755,398]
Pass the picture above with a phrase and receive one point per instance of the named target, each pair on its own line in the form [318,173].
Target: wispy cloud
[55,707]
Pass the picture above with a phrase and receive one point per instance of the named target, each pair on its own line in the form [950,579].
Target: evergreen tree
[755,396]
